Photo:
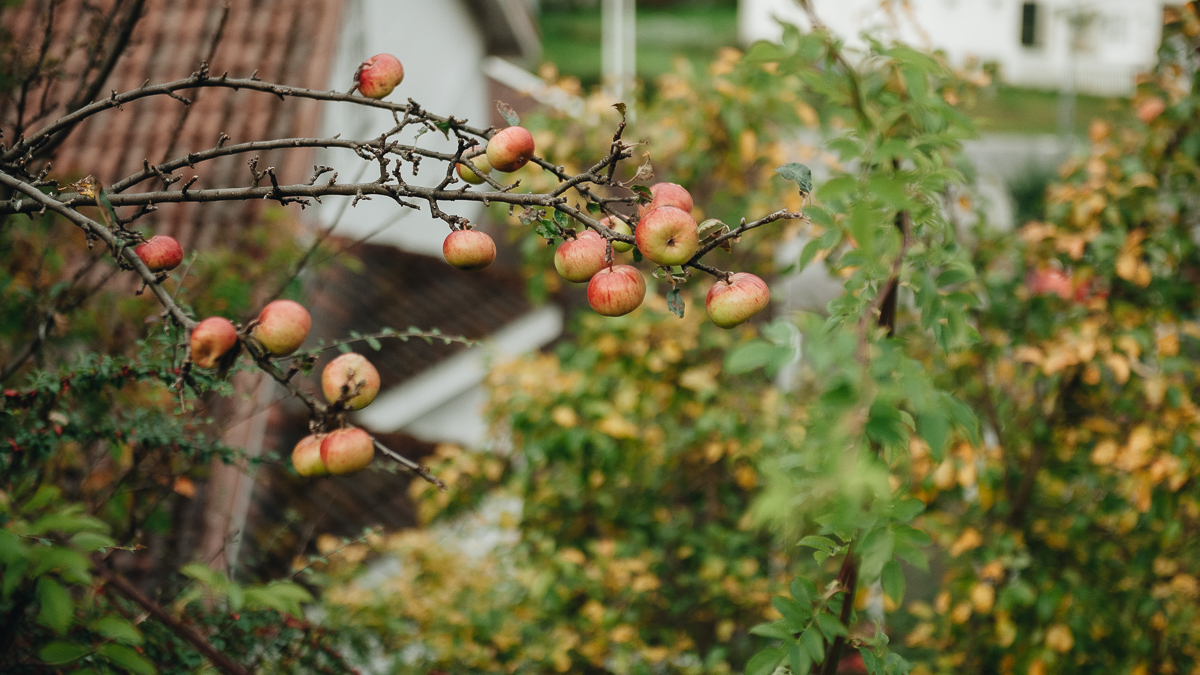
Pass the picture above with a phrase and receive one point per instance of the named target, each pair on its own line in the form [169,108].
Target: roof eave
[510,29]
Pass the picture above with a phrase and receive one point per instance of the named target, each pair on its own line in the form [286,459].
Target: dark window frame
[1031,20]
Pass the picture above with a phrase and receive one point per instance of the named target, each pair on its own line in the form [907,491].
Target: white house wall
[441,46]
[1120,44]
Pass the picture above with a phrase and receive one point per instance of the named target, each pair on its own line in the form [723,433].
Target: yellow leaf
[623,633]
[1134,455]
[961,612]
[1029,354]
[564,417]
[1105,452]
[968,540]
[1059,638]
[983,597]
[617,427]
[1119,367]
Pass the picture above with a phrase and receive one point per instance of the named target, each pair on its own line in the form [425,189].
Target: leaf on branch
[507,112]
[443,127]
[530,215]
[799,174]
[643,192]
[712,229]
[644,172]
[620,108]
[61,653]
[562,220]
[547,230]
[675,302]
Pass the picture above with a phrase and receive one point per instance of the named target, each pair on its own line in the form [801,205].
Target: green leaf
[92,541]
[876,549]
[799,174]
[44,496]
[834,188]
[67,523]
[906,509]
[935,429]
[118,629]
[675,302]
[775,630]
[799,660]
[956,274]
[893,581]
[57,609]
[764,51]
[11,547]
[796,612]
[806,256]
[750,356]
[891,191]
[282,596]
[127,658]
[813,644]
[831,627]
[764,662]
[820,543]
[61,653]
[506,111]
[803,590]
[643,193]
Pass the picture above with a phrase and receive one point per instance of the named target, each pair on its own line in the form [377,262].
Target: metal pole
[619,47]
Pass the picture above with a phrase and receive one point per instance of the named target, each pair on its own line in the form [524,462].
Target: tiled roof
[286,41]
[396,289]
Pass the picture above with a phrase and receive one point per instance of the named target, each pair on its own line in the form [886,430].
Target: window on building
[1029,24]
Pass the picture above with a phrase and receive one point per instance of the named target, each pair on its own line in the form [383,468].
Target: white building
[1101,44]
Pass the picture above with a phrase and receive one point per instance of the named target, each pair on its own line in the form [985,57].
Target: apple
[481,168]
[667,235]
[617,290]
[1051,282]
[282,327]
[306,456]
[618,225]
[160,253]
[469,250]
[670,194]
[732,302]
[211,339]
[347,451]
[510,149]
[347,374]
[580,258]
[378,76]
[1150,109]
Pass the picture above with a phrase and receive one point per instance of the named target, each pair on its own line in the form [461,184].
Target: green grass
[571,40]
[1029,111]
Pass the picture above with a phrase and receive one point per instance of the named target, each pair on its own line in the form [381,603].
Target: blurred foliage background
[1013,471]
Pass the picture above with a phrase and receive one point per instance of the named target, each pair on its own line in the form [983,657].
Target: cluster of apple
[349,382]
[666,233]
[507,151]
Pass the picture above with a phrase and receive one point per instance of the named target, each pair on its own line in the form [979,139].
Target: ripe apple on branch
[657,219]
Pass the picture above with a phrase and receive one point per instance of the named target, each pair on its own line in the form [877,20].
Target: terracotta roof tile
[397,289]
[287,41]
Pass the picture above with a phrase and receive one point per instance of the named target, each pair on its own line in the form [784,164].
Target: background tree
[100,440]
